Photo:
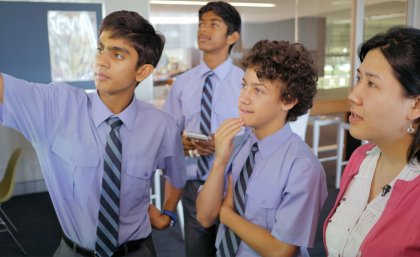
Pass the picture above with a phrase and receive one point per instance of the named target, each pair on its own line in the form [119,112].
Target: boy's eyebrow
[213,19]
[255,84]
[114,48]
[216,19]
[120,49]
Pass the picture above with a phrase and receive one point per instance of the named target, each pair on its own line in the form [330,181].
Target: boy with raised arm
[98,151]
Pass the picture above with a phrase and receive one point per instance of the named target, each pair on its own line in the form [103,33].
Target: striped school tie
[230,241]
[109,210]
[205,123]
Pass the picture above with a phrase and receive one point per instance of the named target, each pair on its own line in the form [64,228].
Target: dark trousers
[199,241]
[147,249]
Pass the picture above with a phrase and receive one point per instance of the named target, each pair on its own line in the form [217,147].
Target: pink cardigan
[397,232]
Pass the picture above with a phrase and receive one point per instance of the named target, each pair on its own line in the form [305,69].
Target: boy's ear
[144,71]
[415,110]
[232,38]
[289,105]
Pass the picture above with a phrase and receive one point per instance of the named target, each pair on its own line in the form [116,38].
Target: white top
[354,217]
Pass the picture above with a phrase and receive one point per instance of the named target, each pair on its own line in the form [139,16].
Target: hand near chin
[224,137]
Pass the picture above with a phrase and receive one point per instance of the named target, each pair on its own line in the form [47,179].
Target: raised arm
[1,88]
[210,198]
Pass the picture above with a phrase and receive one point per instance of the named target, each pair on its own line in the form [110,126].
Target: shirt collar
[274,141]
[221,71]
[100,112]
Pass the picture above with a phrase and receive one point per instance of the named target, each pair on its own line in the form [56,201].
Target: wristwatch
[171,215]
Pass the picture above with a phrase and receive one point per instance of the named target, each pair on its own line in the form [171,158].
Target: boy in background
[96,151]
[200,100]
[268,191]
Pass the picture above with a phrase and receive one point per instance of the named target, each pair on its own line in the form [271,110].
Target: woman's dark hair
[401,48]
[290,64]
[138,32]
[227,12]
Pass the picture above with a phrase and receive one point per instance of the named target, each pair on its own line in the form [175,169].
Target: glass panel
[181,51]
[337,46]
[381,16]
[323,27]
[72,39]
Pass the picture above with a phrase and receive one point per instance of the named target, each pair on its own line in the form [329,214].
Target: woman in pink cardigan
[377,209]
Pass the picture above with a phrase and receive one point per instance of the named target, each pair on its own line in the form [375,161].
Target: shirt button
[344,199]
[146,174]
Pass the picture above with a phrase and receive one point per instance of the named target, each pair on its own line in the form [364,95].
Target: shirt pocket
[76,166]
[135,183]
[263,205]
[191,112]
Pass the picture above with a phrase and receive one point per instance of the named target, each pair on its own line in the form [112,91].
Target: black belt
[121,250]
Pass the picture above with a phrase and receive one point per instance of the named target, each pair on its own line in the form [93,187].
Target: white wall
[29,177]
[312,34]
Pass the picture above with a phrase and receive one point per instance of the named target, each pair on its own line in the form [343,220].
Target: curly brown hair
[292,65]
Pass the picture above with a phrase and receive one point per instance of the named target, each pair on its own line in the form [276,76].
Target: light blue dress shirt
[184,101]
[67,129]
[286,191]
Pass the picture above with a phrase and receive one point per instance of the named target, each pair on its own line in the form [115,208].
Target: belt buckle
[125,247]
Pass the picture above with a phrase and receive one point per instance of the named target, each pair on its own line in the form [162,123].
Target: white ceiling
[285,9]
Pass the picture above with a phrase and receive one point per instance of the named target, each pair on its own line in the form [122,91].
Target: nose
[355,96]
[102,59]
[202,27]
[244,96]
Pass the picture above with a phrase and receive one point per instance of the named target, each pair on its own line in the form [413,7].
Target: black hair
[227,12]
[401,48]
[138,32]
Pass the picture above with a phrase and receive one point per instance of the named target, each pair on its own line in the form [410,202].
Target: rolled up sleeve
[171,157]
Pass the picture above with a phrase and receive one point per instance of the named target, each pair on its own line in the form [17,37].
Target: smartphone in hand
[196,136]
